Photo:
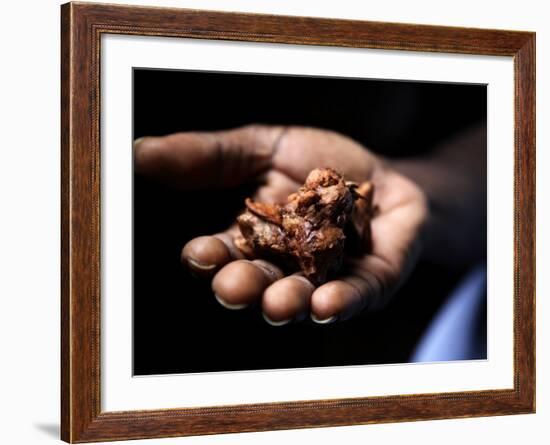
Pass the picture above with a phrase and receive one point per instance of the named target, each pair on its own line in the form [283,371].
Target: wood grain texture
[81,416]
[65,228]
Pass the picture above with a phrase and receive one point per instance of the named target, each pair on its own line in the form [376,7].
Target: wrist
[433,234]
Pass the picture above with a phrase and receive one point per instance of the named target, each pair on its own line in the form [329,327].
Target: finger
[302,149]
[205,255]
[368,286]
[337,300]
[287,300]
[241,283]
[207,159]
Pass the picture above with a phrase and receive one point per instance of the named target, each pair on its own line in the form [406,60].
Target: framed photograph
[274,222]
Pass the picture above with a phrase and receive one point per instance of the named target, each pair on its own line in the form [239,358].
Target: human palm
[280,158]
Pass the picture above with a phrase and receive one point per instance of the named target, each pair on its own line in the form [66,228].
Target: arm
[454,182]
[430,208]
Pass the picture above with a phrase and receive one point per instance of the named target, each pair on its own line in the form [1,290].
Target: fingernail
[328,320]
[200,266]
[227,305]
[275,323]
[137,141]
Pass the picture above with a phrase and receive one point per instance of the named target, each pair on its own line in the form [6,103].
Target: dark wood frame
[82,25]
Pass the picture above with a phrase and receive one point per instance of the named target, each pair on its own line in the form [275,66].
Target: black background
[178,325]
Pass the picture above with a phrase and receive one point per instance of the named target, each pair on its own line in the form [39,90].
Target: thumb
[207,159]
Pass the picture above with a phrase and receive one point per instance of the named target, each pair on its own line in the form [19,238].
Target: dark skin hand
[280,159]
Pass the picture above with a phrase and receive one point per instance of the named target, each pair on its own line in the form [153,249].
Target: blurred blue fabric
[457,331]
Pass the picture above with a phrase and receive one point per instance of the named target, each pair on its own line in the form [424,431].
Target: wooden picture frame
[82,25]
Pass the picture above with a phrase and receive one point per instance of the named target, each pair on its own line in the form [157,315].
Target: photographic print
[297,221]
[275,222]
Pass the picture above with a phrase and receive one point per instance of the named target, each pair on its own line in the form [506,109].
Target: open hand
[280,158]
